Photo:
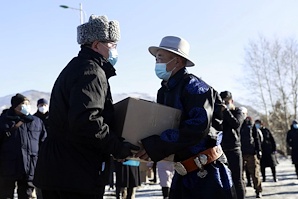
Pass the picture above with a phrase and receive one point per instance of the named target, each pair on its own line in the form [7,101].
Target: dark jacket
[292,140]
[268,149]
[44,118]
[19,147]
[76,153]
[232,121]
[250,140]
[201,106]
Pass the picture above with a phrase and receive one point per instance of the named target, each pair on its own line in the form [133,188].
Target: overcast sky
[39,38]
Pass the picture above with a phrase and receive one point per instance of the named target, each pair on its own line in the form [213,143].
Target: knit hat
[42,101]
[98,28]
[226,94]
[18,99]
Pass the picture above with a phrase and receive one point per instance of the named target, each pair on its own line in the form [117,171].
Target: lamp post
[79,9]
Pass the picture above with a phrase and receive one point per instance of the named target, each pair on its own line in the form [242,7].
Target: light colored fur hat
[98,28]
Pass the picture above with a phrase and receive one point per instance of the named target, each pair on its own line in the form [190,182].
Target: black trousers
[7,186]
[235,163]
[53,194]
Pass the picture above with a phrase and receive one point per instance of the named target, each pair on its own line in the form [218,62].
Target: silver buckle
[179,168]
[203,159]
[198,163]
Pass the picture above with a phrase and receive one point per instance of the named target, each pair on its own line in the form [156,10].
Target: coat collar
[175,79]
[99,59]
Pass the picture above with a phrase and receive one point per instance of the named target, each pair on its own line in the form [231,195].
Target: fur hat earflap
[98,28]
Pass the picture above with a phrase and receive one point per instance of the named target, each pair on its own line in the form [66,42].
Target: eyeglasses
[111,44]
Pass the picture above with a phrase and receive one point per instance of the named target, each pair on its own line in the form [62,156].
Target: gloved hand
[125,150]
[259,155]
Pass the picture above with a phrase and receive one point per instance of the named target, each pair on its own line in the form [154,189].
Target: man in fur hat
[75,157]
[199,161]
[21,134]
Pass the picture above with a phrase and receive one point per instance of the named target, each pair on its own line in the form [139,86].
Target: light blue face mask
[258,126]
[161,71]
[295,126]
[25,109]
[113,56]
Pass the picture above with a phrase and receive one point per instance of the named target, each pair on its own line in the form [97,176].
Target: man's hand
[126,150]
[142,154]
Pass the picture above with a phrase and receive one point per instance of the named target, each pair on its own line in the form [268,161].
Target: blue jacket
[19,147]
[201,108]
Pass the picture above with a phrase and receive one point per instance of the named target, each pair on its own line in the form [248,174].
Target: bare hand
[142,154]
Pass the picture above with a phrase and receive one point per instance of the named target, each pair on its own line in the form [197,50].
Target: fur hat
[176,45]
[18,99]
[98,28]
[42,101]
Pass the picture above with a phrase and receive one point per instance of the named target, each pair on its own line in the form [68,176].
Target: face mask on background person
[43,109]
[161,71]
[229,106]
[25,109]
[295,126]
[258,125]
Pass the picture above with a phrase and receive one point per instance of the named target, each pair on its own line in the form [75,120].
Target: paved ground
[285,188]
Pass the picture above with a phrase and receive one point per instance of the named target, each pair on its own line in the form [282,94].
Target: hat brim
[153,50]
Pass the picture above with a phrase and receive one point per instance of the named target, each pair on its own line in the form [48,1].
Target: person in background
[43,111]
[43,114]
[268,158]
[74,159]
[154,171]
[127,179]
[251,153]
[292,140]
[233,118]
[165,171]
[201,170]
[4,111]
[21,136]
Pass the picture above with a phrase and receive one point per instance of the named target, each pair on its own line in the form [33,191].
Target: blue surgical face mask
[161,71]
[295,126]
[258,126]
[113,56]
[25,109]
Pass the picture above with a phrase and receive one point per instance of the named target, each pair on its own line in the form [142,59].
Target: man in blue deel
[199,160]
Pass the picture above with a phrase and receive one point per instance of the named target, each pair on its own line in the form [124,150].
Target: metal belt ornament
[200,161]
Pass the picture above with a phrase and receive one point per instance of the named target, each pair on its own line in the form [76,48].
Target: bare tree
[272,77]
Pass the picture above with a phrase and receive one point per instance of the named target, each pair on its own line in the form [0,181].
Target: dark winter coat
[250,140]
[19,147]
[76,154]
[232,121]
[44,118]
[292,140]
[268,149]
[201,106]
